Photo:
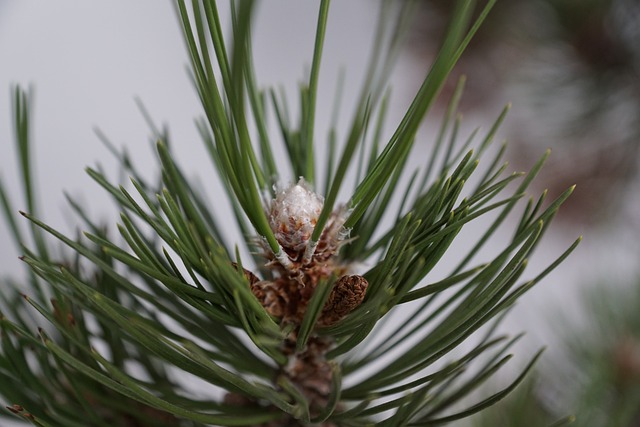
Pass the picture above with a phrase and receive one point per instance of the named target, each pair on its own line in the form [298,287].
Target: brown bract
[347,294]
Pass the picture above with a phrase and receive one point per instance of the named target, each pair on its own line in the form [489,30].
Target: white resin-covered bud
[293,215]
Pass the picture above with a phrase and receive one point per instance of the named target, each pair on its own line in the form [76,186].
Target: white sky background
[88,60]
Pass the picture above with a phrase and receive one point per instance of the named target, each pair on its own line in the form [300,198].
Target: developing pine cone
[293,215]
[296,272]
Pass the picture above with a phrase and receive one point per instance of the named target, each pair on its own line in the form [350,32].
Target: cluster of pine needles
[109,329]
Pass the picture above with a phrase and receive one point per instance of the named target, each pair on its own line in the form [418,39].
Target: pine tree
[298,333]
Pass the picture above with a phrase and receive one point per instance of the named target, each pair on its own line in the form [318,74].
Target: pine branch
[298,340]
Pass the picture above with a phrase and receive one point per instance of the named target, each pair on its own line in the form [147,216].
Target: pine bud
[293,216]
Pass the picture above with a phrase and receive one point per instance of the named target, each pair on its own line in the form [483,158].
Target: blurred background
[571,70]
